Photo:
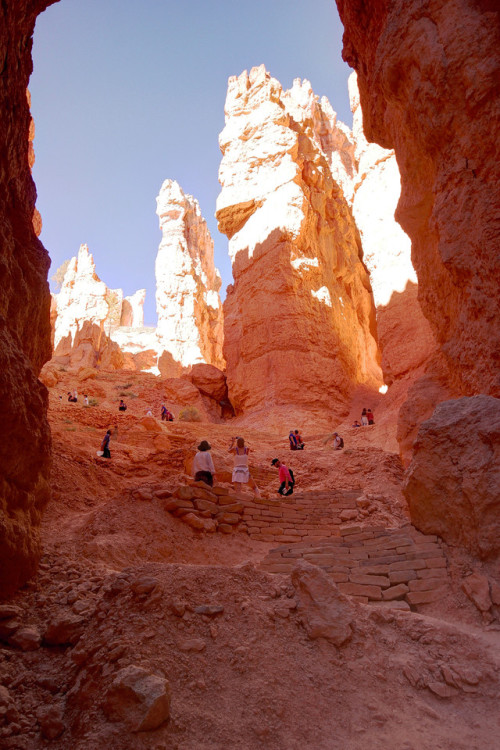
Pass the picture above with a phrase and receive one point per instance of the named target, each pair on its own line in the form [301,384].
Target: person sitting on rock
[241,472]
[123,405]
[338,442]
[285,476]
[364,418]
[169,416]
[356,424]
[300,443]
[203,465]
[370,417]
[105,445]
[71,398]
[149,413]
[293,441]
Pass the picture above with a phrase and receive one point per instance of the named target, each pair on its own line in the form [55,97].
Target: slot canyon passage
[141,609]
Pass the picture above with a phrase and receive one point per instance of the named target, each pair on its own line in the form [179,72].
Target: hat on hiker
[274,461]
[204,446]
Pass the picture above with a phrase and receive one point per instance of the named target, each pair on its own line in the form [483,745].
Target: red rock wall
[429,79]
[24,312]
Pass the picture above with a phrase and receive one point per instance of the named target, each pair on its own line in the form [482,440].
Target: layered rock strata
[299,319]
[24,313]
[432,94]
[190,327]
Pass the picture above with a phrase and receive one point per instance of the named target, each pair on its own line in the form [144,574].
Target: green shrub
[190,414]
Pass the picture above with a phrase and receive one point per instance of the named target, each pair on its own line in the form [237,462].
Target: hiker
[300,443]
[356,424]
[338,442]
[86,400]
[123,405]
[241,472]
[203,465]
[71,398]
[166,415]
[293,441]
[285,476]
[105,445]
[75,395]
[369,416]
[149,413]
[364,418]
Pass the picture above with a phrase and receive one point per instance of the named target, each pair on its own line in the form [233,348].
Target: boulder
[453,480]
[65,629]
[477,588]
[209,380]
[150,424]
[326,613]
[138,698]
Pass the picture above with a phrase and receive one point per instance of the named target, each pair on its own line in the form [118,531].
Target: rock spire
[190,328]
[299,319]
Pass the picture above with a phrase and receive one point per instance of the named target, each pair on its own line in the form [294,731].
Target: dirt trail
[121,581]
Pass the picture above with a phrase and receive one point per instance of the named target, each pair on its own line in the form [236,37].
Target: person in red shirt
[286,477]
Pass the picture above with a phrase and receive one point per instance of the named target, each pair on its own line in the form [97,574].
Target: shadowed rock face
[299,319]
[429,81]
[24,313]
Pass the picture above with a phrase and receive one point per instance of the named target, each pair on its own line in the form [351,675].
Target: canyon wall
[190,323]
[299,318]
[24,313]
[405,337]
[429,82]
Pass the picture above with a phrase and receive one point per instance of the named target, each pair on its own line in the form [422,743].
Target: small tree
[59,275]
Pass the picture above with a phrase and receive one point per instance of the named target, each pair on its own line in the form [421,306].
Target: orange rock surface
[299,319]
[24,314]
[432,94]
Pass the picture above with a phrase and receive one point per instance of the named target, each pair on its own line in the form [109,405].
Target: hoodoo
[187,285]
[299,319]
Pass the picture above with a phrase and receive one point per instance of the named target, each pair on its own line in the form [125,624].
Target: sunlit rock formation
[190,328]
[86,312]
[432,94]
[299,319]
[24,314]
[133,310]
[404,334]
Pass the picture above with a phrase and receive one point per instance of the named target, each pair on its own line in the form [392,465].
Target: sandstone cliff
[190,328]
[299,319]
[432,94]
[24,313]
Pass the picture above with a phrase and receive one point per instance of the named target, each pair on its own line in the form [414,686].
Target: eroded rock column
[190,328]
[299,319]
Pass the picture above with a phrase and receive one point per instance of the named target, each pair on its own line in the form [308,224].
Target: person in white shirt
[203,465]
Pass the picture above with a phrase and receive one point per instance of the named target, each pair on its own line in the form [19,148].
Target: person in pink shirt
[285,476]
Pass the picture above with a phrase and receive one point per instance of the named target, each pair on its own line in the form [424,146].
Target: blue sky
[127,93]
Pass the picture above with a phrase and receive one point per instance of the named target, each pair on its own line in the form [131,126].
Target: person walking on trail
[203,465]
[241,472]
[285,476]
[300,443]
[338,442]
[105,445]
